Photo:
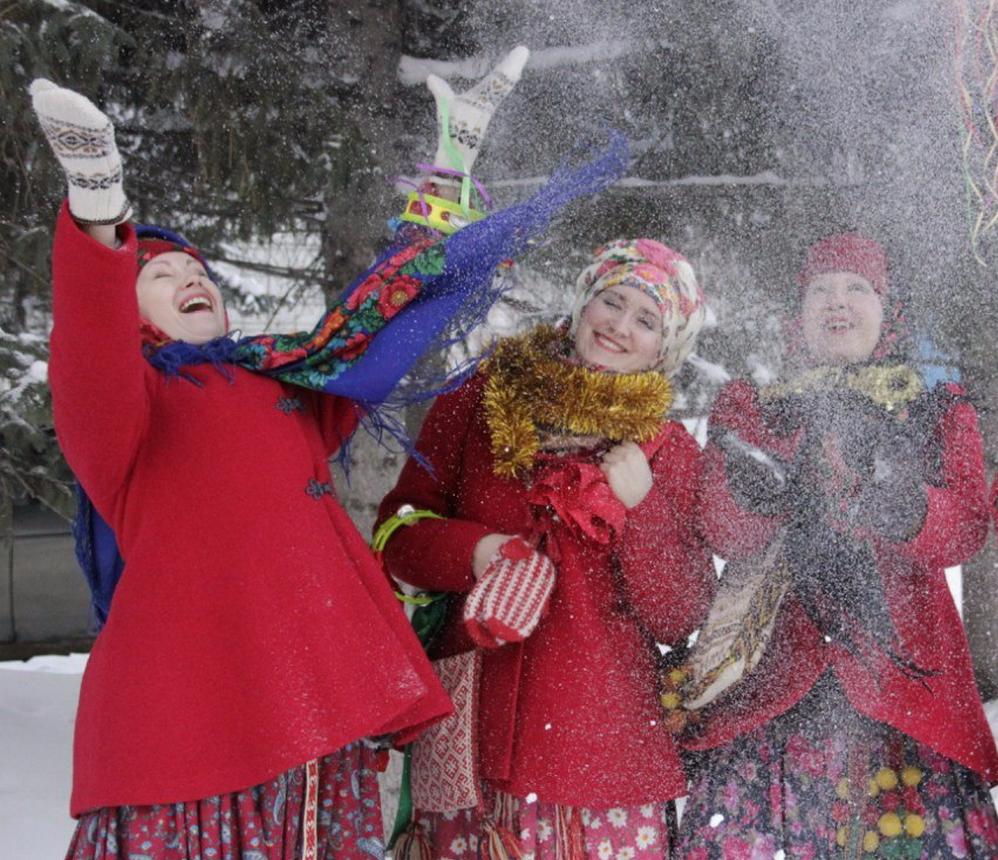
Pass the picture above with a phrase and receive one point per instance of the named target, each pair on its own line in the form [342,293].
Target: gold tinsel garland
[531,385]
[889,386]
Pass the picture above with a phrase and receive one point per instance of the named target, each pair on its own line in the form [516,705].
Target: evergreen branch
[133,8]
[287,272]
[7,9]
[310,210]
[26,269]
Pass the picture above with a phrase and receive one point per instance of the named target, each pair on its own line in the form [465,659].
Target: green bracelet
[404,516]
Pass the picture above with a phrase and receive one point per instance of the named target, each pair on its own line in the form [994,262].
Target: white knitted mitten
[82,138]
[511,596]
[469,113]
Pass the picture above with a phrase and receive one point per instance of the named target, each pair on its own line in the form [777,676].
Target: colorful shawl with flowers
[424,286]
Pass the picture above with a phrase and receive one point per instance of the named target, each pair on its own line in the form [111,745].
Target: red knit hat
[847,252]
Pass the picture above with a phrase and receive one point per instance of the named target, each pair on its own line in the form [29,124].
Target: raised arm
[97,373]
[373,334]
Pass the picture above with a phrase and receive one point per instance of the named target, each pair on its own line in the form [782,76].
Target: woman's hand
[628,473]
[508,602]
[468,114]
[758,480]
[485,551]
[82,138]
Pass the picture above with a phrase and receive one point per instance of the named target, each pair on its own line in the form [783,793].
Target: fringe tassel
[506,806]
[570,842]
[499,840]
[498,843]
[413,844]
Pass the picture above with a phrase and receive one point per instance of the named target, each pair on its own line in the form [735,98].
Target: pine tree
[236,119]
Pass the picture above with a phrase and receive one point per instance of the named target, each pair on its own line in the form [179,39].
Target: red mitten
[510,597]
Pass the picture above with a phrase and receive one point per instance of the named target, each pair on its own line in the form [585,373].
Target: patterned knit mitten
[469,113]
[82,138]
[510,597]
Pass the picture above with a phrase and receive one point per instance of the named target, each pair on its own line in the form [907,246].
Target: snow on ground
[37,706]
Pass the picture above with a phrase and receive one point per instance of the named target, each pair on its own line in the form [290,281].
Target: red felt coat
[946,712]
[251,630]
[572,714]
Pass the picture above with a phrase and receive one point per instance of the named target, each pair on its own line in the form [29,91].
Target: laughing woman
[832,698]
[559,511]
[252,641]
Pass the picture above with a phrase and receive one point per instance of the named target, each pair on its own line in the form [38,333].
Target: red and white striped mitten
[510,597]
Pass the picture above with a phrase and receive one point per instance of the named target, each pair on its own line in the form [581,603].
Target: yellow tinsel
[889,386]
[530,385]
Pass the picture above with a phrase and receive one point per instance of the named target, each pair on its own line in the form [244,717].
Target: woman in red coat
[554,475]
[252,642]
[832,695]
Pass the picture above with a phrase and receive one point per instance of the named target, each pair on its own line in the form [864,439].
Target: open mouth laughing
[196,304]
[838,325]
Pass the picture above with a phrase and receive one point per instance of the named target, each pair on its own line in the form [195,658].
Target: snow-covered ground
[37,706]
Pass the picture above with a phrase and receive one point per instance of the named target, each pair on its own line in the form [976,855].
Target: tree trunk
[368,40]
[360,197]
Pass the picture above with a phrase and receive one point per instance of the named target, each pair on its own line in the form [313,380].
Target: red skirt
[267,822]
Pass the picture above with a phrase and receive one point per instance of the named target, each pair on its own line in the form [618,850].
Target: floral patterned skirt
[548,831]
[260,823]
[821,781]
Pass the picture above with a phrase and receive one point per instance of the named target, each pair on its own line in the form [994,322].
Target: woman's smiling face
[176,295]
[620,329]
[841,316]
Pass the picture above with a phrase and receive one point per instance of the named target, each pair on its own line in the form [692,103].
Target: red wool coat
[946,712]
[251,630]
[572,714]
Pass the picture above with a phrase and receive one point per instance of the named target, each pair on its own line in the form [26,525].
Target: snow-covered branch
[413,71]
